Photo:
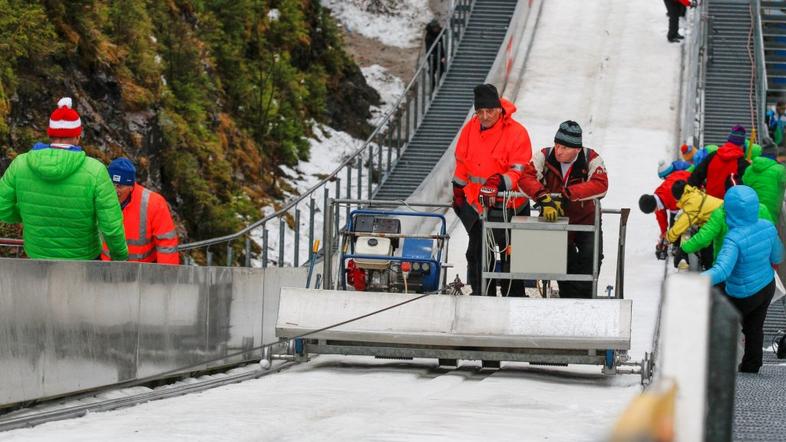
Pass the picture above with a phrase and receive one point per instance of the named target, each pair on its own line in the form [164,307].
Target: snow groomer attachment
[403,316]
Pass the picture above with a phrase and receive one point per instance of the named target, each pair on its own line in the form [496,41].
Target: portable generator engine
[369,270]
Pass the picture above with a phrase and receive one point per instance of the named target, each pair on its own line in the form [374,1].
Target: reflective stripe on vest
[140,256]
[142,240]
[168,235]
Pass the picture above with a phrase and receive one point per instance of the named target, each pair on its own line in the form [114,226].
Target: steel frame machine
[381,306]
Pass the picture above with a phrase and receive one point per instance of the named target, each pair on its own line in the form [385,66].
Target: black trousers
[475,249]
[753,310]
[580,252]
[674,10]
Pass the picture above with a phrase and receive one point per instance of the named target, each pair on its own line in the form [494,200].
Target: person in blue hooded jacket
[745,263]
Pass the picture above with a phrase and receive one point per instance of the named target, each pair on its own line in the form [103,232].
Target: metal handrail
[417,91]
[761,70]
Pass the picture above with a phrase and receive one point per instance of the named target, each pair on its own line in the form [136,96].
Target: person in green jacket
[62,197]
[768,178]
[713,232]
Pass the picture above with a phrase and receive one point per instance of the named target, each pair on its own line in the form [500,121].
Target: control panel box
[538,251]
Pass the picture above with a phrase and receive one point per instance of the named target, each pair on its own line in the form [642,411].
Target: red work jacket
[502,149]
[586,181]
[667,198]
[150,231]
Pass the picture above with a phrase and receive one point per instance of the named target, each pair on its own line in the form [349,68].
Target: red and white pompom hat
[64,121]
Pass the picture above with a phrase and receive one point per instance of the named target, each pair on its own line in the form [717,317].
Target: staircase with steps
[485,33]
[727,94]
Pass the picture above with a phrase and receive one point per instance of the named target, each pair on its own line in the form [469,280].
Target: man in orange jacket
[150,231]
[491,153]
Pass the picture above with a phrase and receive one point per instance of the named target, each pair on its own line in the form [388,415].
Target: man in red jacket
[491,153]
[579,175]
[665,207]
[150,231]
[715,169]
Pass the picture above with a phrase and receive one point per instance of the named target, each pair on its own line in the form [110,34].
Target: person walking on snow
[62,197]
[675,9]
[663,203]
[150,231]
[750,251]
[491,153]
[578,174]
[716,168]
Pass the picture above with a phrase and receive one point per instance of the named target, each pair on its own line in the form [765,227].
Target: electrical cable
[180,370]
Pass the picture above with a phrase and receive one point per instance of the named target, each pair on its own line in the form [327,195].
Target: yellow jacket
[696,207]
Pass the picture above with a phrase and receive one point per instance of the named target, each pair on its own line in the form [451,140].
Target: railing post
[229,253]
[407,116]
[349,187]
[281,247]
[264,246]
[416,115]
[337,214]
[296,259]
[359,160]
[247,251]
[311,212]
[209,256]
[327,240]
[370,168]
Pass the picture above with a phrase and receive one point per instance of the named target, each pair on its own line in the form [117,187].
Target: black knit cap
[486,97]
[647,203]
[568,134]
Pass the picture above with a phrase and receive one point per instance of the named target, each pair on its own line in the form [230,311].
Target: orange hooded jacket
[150,231]
[504,149]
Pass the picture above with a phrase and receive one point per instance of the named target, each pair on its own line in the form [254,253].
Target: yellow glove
[550,209]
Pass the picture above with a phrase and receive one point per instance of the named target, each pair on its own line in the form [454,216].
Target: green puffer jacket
[768,179]
[714,230]
[63,198]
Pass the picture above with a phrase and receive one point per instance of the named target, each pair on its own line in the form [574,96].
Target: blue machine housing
[421,250]
[413,250]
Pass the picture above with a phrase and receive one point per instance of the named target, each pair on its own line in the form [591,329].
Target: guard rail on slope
[734,78]
[358,176]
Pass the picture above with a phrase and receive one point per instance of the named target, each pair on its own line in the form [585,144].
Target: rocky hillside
[208,97]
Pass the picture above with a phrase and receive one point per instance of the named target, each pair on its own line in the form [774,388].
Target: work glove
[662,249]
[488,196]
[489,190]
[459,199]
[679,255]
[550,209]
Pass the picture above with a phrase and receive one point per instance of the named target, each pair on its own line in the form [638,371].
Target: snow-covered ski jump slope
[605,64]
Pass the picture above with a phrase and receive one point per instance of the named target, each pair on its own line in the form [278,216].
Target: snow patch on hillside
[389,87]
[397,23]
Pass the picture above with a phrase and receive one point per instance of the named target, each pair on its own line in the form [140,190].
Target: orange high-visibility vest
[150,231]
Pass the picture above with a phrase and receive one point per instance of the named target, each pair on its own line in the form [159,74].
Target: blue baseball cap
[122,171]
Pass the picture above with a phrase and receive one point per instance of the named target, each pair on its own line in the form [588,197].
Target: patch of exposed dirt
[401,62]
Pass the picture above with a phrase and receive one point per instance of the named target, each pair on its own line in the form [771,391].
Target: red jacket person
[663,203]
[491,153]
[579,175]
[150,231]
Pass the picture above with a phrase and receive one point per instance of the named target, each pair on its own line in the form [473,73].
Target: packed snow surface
[397,23]
[606,65]
[354,398]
